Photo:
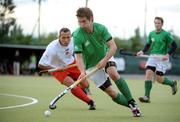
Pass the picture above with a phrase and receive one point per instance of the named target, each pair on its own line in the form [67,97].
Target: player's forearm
[112,50]
[172,48]
[80,63]
[146,48]
[40,66]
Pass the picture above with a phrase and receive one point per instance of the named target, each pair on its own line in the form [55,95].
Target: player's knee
[112,71]
[84,84]
[114,76]
[149,77]
[68,81]
[159,76]
[110,64]
[150,72]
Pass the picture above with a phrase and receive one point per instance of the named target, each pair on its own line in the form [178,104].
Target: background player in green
[91,40]
[161,43]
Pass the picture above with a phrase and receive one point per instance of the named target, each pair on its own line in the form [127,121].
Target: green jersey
[160,42]
[93,46]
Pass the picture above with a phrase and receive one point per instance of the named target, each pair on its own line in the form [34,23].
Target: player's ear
[92,18]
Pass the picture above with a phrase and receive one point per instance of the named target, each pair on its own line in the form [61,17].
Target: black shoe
[92,106]
[174,87]
[134,108]
[144,99]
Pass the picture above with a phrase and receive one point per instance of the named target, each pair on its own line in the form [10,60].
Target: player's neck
[89,29]
[158,30]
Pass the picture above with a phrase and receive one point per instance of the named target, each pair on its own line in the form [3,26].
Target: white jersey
[57,55]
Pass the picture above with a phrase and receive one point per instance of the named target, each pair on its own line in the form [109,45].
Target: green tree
[122,44]
[136,43]
[6,20]
[17,36]
[44,39]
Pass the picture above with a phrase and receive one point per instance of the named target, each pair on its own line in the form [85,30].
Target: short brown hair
[159,18]
[84,12]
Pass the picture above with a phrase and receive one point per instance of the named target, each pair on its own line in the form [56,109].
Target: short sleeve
[106,35]
[149,39]
[46,58]
[77,45]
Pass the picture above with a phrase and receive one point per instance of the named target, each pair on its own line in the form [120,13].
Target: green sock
[148,86]
[120,99]
[123,87]
[167,82]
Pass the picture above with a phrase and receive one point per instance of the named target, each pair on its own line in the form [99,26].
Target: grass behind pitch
[164,106]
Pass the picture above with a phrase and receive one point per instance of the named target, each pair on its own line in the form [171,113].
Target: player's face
[84,22]
[158,24]
[65,38]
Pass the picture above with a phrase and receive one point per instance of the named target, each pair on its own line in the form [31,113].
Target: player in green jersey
[91,40]
[161,44]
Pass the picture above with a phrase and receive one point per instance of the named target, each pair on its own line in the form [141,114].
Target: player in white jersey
[59,53]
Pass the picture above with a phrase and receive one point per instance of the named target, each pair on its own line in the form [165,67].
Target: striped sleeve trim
[77,51]
[109,39]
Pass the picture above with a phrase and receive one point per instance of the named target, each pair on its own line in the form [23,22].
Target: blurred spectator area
[7,52]
[125,64]
[121,64]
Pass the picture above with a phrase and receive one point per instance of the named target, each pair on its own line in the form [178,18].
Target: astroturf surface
[164,107]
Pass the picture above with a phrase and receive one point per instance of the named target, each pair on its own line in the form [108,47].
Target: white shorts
[99,78]
[112,59]
[160,65]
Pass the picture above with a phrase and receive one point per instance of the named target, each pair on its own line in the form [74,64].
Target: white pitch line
[22,105]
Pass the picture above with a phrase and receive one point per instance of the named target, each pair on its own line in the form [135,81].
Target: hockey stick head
[52,106]
[123,52]
[53,102]
[39,72]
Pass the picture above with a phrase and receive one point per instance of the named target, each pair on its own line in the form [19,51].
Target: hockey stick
[122,52]
[56,69]
[53,102]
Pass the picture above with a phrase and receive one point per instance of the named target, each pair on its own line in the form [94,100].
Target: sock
[148,86]
[79,93]
[167,82]
[123,87]
[120,99]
